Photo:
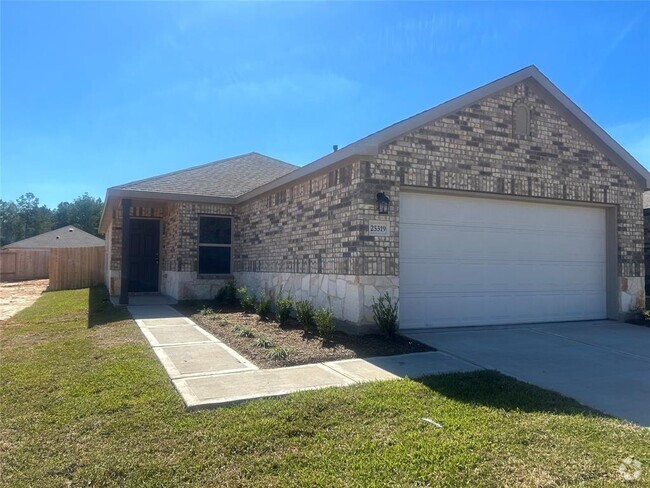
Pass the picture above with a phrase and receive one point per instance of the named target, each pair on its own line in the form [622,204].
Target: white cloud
[286,90]
[304,87]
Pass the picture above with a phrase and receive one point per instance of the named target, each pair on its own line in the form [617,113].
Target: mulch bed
[304,347]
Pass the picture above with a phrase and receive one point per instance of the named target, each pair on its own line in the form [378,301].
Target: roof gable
[227,178]
[244,177]
[370,145]
[68,236]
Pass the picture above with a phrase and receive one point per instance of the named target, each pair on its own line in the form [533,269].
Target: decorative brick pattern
[182,233]
[179,248]
[322,228]
[646,232]
[312,227]
[318,225]
[114,235]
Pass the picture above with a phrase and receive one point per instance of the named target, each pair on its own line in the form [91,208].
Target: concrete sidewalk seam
[156,343]
[591,344]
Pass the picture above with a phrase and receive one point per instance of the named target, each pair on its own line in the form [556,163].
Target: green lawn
[86,406]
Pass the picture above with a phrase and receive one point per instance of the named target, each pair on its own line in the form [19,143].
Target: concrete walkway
[208,373]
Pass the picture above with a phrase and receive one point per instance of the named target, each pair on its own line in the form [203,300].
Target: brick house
[505,205]
[646,234]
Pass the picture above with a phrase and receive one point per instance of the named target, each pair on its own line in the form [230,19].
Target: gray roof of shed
[68,236]
[227,178]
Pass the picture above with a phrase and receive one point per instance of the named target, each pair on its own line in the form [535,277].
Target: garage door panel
[475,261]
[436,241]
[443,277]
[447,310]
[413,311]
[442,242]
[504,277]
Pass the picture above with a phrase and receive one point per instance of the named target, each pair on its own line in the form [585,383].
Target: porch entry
[144,255]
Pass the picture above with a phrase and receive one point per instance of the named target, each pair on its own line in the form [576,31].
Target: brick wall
[179,251]
[310,227]
[114,235]
[182,225]
[178,246]
[646,227]
[319,225]
[322,223]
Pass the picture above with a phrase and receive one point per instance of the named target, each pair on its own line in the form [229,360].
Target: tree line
[26,217]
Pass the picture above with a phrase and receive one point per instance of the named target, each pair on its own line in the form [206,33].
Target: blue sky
[96,94]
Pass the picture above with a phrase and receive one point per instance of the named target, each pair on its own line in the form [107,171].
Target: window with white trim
[215,245]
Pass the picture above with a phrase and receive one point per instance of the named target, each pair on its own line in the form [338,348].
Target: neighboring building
[68,236]
[29,259]
[505,205]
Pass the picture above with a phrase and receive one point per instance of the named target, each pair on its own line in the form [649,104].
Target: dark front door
[143,258]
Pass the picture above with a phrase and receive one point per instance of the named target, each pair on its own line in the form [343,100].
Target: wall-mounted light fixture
[382,203]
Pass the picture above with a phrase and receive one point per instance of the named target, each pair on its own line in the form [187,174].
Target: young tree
[84,212]
[26,217]
[31,219]
[10,227]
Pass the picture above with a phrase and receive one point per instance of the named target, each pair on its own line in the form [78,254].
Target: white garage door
[481,261]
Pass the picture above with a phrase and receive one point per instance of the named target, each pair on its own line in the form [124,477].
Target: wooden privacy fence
[78,267]
[24,264]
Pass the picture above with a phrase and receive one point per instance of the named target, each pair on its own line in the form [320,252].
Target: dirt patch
[17,295]
[304,347]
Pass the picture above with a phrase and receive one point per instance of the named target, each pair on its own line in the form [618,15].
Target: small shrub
[279,353]
[246,300]
[264,306]
[284,307]
[205,310]
[384,311]
[227,294]
[305,313]
[243,331]
[265,343]
[324,320]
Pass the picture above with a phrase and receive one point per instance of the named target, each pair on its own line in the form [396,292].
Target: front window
[215,245]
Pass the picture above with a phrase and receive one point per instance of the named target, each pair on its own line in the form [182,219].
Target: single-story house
[646,234]
[505,205]
[29,258]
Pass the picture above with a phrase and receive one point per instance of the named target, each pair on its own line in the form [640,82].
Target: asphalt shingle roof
[227,178]
[68,236]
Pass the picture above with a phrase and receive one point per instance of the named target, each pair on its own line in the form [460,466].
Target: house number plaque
[378,228]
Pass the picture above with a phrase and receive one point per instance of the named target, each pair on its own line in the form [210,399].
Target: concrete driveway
[602,364]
